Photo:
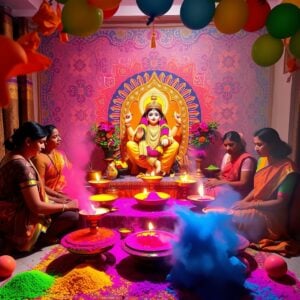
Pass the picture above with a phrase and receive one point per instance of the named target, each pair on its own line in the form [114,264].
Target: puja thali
[152,198]
[87,242]
[150,244]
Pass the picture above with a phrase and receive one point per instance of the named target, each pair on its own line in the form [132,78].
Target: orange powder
[83,279]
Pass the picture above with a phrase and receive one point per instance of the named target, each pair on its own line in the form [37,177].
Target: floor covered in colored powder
[136,278]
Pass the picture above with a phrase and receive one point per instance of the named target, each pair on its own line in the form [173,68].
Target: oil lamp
[151,180]
[185,181]
[201,200]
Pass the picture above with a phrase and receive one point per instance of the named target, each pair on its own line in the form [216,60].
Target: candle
[201,190]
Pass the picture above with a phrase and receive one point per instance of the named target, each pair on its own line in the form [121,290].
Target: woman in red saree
[263,213]
[237,167]
[25,211]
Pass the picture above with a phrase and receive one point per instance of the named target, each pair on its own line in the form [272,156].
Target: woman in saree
[237,167]
[262,216]
[25,211]
[50,164]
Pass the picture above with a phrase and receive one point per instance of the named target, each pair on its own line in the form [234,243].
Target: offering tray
[150,241]
[149,244]
[103,200]
[87,242]
[152,198]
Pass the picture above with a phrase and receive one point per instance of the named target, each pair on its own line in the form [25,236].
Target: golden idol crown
[154,104]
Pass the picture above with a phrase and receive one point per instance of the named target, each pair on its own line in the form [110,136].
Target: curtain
[20,108]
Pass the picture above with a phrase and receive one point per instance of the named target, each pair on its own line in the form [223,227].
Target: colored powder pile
[84,279]
[27,285]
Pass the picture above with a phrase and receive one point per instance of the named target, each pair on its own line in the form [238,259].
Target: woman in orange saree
[262,215]
[50,164]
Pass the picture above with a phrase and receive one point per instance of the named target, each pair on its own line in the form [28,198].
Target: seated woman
[25,211]
[237,167]
[263,213]
[151,145]
[50,164]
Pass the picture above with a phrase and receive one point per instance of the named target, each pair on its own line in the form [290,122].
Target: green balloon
[294,45]
[267,50]
[79,18]
[283,20]
[62,1]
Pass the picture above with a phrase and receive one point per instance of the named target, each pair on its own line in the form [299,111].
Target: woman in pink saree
[262,215]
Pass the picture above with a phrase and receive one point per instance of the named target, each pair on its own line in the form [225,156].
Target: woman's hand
[212,182]
[139,133]
[71,205]
[240,205]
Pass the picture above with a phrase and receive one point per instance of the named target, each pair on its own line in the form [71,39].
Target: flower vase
[111,171]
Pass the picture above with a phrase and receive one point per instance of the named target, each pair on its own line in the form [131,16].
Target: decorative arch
[175,94]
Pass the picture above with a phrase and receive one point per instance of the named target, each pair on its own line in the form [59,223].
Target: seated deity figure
[151,145]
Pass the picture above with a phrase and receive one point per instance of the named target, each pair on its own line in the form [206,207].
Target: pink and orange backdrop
[88,73]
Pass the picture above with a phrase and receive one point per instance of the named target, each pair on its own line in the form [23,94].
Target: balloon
[258,11]
[294,45]
[154,8]
[283,20]
[267,50]
[295,2]
[7,265]
[104,4]
[275,266]
[231,16]
[109,13]
[197,14]
[78,18]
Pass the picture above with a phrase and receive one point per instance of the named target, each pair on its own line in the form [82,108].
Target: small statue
[111,170]
[151,145]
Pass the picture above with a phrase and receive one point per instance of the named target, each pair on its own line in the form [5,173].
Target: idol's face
[153,117]
[261,147]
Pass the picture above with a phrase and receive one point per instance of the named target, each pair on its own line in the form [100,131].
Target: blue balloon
[196,14]
[154,8]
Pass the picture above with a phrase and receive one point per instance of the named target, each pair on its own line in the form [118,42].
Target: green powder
[26,285]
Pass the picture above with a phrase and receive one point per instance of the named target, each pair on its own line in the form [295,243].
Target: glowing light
[184,177]
[150,226]
[201,190]
[97,177]
[145,191]
[152,173]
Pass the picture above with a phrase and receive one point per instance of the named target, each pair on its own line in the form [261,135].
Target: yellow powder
[83,279]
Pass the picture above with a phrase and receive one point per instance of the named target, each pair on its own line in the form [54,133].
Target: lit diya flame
[184,177]
[150,226]
[201,190]
[97,177]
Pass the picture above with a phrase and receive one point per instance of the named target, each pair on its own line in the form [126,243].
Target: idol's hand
[128,118]
[177,118]
[139,133]
[164,142]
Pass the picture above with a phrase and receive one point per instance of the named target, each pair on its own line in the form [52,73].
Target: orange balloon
[12,54]
[231,16]
[104,4]
[295,2]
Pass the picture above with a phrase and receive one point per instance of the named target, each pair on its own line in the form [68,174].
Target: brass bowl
[93,175]
[152,179]
[158,199]
[101,183]
[103,200]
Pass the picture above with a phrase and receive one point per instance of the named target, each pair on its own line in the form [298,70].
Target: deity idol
[151,145]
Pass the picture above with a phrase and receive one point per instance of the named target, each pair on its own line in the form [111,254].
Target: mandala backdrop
[86,74]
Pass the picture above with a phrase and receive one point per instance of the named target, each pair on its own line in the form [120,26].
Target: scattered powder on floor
[26,285]
[84,279]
